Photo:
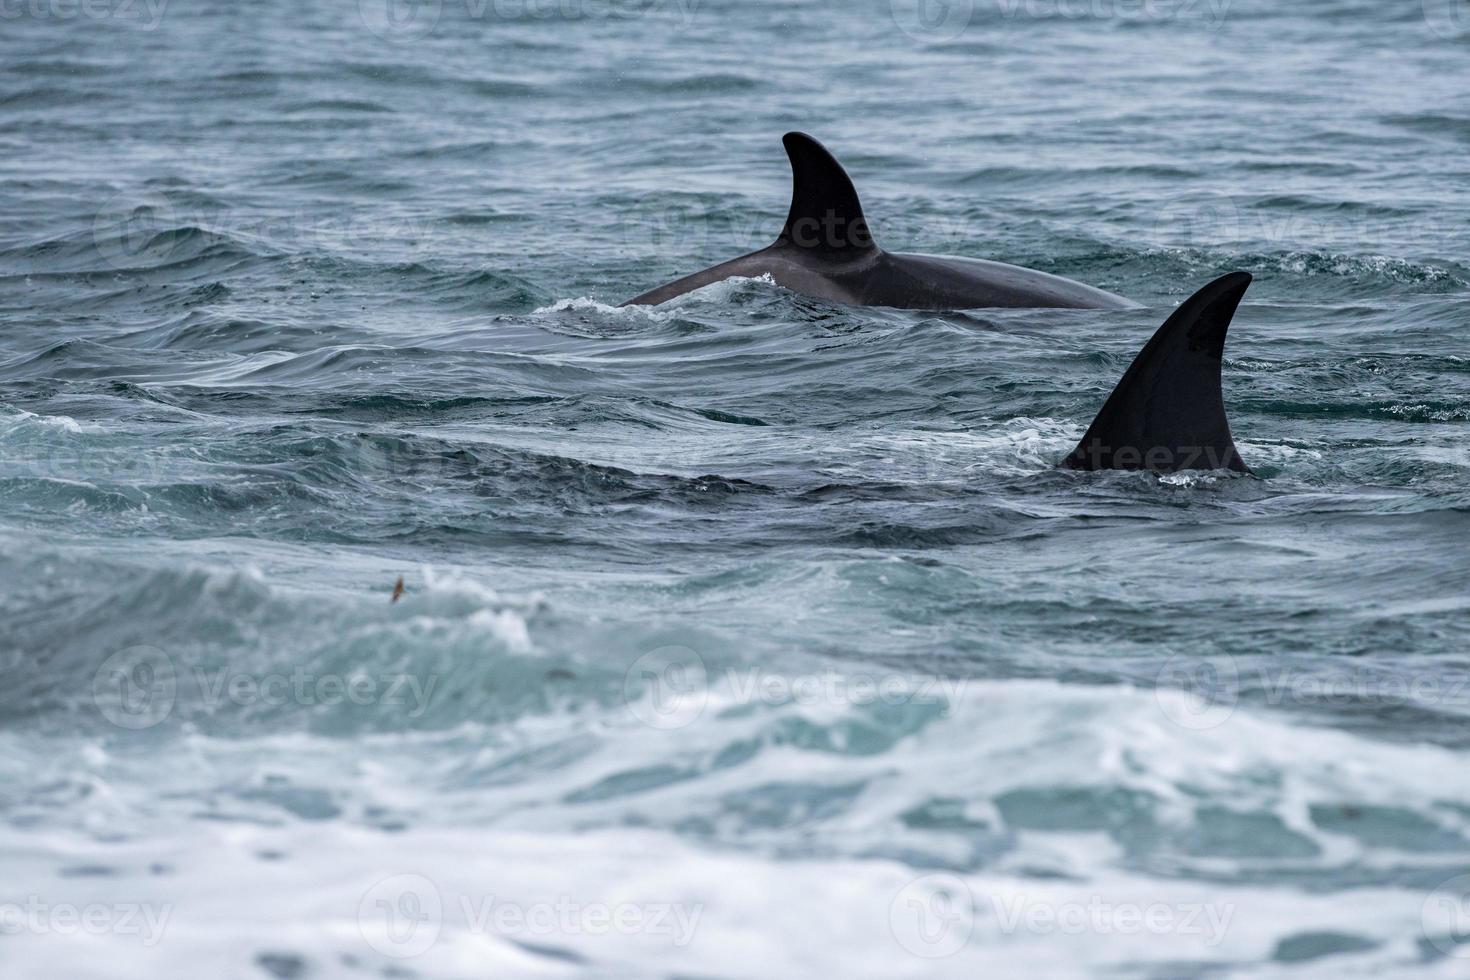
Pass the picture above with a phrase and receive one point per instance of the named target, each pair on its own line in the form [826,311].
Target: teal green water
[771,615]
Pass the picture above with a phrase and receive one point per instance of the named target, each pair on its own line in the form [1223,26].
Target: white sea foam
[1009,447]
[15,421]
[458,903]
[1277,452]
[1189,478]
[512,847]
[721,292]
[586,304]
[716,293]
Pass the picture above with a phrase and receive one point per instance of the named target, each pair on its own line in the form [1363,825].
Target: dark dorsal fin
[826,216]
[1168,413]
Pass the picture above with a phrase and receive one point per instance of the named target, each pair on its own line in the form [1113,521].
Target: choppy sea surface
[747,636]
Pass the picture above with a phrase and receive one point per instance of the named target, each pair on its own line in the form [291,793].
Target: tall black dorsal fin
[1168,413]
[826,215]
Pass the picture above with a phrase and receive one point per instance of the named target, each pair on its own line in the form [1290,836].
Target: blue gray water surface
[770,614]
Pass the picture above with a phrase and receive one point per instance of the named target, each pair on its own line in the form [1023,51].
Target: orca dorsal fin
[826,216]
[1168,413]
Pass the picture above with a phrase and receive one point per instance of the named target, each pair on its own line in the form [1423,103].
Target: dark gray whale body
[826,251]
[1166,414]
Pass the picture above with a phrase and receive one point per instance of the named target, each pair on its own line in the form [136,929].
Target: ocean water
[747,636]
